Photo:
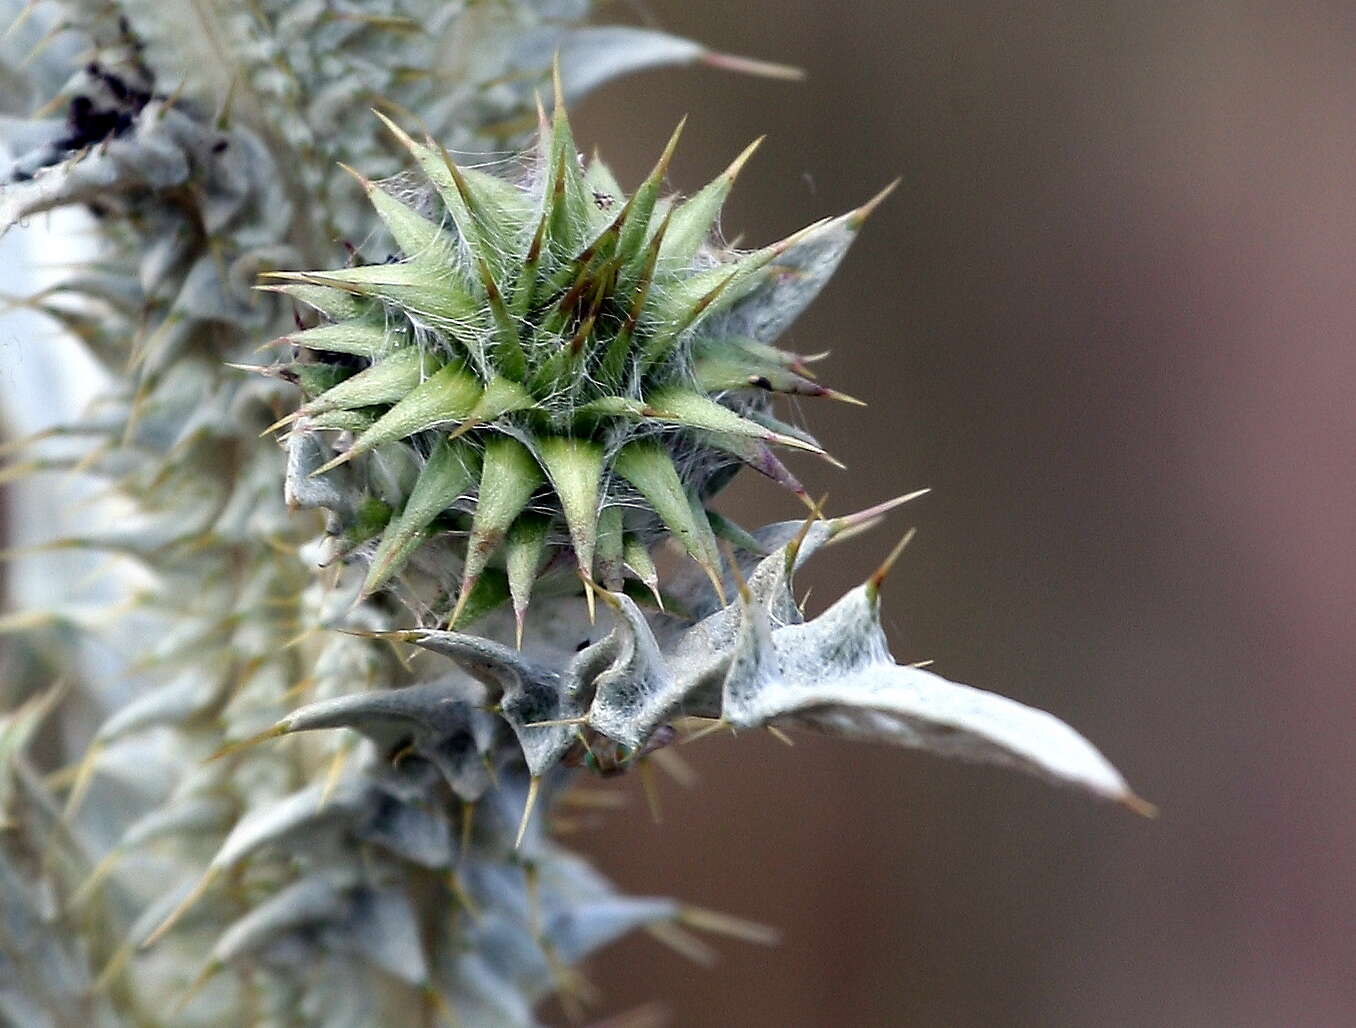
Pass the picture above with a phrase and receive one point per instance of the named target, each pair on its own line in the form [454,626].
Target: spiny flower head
[575,371]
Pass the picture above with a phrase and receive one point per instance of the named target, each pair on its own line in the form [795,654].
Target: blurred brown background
[1108,319]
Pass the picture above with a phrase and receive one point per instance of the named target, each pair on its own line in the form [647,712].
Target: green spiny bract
[574,369]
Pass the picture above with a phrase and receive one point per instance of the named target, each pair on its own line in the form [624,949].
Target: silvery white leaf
[420,834]
[528,692]
[330,491]
[596,54]
[788,285]
[298,817]
[194,814]
[178,701]
[577,931]
[835,674]
[312,900]
[385,929]
[636,693]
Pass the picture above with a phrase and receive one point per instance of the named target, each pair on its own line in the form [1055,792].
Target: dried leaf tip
[533,788]
[737,165]
[877,578]
[841,397]
[1139,805]
[661,166]
[720,923]
[279,729]
[402,137]
[856,218]
[793,547]
[557,87]
[362,179]
[741,583]
[196,986]
[753,66]
[335,462]
[184,905]
[608,597]
[850,525]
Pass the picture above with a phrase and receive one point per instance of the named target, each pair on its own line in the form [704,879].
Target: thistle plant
[329,754]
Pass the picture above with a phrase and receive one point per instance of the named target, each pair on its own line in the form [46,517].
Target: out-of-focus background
[1108,318]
